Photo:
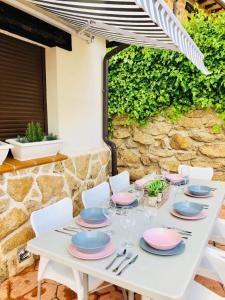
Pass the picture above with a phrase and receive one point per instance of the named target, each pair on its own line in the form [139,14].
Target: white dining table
[152,276]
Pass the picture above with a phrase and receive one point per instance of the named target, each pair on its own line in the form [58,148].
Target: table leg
[86,289]
[130,295]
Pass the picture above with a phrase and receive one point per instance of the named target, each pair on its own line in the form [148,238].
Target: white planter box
[4,149]
[27,151]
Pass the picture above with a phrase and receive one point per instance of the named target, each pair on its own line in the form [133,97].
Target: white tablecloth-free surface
[154,276]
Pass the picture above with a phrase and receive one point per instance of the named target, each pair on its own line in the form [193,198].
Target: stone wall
[162,144]
[24,191]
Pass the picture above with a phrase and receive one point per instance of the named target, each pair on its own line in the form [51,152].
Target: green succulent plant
[34,132]
[51,137]
[155,187]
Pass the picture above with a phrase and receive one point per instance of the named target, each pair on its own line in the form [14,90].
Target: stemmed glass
[127,222]
[109,210]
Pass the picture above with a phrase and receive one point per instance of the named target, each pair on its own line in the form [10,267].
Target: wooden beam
[18,22]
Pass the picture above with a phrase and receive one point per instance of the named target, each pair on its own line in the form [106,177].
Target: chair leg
[130,295]
[39,290]
[124,292]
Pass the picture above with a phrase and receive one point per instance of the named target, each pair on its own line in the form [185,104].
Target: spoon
[120,253]
[128,256]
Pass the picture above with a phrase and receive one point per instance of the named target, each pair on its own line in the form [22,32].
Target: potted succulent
[34,144]
[158,190]
[4,149]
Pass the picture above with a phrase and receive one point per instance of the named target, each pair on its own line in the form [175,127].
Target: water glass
[150,208]
[128,222]
[109,210]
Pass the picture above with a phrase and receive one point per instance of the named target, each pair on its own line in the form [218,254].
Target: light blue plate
[133,204]
[199,190]
[93,215]
[188,209]
[175,251]
[90,241]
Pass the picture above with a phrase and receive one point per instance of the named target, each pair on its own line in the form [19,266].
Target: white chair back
[52,216]
[120,182]
[95,196]
[216,258]
[204,173]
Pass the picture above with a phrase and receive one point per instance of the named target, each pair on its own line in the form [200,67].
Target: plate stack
[177,179]
[92,217]
[91,245]
[199,191]
[188,210]
[162,241]
[124,200]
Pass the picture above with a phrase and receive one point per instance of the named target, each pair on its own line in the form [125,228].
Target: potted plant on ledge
[4,149]
[34,144]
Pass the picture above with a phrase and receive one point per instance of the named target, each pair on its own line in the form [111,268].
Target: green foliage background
[144,82]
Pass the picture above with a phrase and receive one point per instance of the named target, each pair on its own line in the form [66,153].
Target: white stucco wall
[74,94]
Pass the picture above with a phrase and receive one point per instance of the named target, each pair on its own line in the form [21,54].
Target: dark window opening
[22,86]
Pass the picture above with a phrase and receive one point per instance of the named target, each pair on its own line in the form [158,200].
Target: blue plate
[93,215]
[199,190]
[175,251]
[90,241]
[188,209]
[133,204]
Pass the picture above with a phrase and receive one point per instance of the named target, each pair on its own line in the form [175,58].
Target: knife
[127,265]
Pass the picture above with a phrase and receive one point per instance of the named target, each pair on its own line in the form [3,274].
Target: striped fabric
[141,22]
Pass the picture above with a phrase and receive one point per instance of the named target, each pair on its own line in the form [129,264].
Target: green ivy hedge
[144,82]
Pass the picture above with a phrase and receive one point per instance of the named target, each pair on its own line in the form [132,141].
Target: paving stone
[23,284]
[64,293]
[4,290]
[48,292]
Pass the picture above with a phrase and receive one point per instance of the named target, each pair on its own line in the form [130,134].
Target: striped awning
[148,23]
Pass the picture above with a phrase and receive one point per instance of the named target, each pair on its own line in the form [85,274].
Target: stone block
[11,221]
[19,188]
[184,156]
[68,164]
[18,239]
[143,138]
[4,204]
[213,150]
[128,158]
[3,272]
[201,136]
[104,157]
[50,186]
[82,165]
[121,133]
[180,142]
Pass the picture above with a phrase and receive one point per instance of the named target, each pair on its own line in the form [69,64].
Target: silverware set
[127,256]
[185,233]
[70,230]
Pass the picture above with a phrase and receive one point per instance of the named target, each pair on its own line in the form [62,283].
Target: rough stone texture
[17,239]
[213,151]
[50,186]
[82,165]
[179,142]
[11,221]
[4,203]
[19,188]
[26,190]
[122,133]
[161,144]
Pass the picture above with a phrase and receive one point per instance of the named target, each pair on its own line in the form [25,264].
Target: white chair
[47,219]
[120,182]
[95,196]
[216,259]
[204,173]
[218,234]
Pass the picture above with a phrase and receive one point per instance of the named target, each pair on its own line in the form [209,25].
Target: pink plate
[174,177]
[82,223]
[108,250]
[162,238]
[142,182]
[203,214]
[123,198]
[195,196]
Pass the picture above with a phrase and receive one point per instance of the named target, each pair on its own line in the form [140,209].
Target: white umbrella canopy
[148,23]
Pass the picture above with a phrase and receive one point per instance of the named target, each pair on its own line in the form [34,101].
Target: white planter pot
[4,149]
[27,151]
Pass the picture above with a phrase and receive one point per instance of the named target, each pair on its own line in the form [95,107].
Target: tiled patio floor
[24,287]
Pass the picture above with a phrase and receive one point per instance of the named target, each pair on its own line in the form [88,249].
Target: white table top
[150,275]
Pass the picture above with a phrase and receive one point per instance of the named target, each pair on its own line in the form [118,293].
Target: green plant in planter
[156,187]
[34,132]
[51,137]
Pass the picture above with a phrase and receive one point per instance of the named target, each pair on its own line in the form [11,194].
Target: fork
[127,257]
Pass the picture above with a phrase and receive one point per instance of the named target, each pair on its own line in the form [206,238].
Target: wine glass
[164,172]
[109,210]
[127,222]
[185,172]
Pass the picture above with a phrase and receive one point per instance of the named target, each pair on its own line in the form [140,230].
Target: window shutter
[22,86]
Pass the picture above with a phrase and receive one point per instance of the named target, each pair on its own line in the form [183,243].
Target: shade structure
[148,23]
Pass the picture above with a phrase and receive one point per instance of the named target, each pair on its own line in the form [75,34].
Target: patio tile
[48,292]
[23,284]
[4,290]
[64,293]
